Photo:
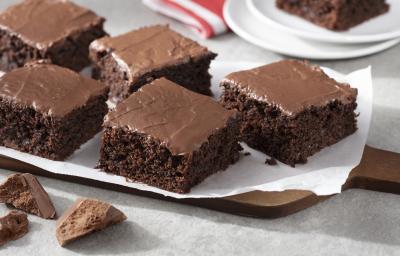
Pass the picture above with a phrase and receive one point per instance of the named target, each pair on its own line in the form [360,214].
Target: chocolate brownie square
[290,109]
[334,14]
[128,61]
[57,30]
[49,111]
[169,137]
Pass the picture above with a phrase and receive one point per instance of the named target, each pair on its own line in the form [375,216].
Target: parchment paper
[324,174]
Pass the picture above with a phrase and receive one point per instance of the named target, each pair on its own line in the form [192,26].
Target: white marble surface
[356,222]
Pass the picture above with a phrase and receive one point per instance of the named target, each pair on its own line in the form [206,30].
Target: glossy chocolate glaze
[42,23]
[49,89]
[182,120]
[291,86]
[148,49]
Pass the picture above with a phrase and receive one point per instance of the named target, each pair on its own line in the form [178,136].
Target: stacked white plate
[262,23]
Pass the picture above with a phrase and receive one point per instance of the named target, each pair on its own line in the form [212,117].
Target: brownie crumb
[271,161]
[13,226]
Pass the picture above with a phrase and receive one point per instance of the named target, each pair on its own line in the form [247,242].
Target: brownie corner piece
[128,61]
[49,111]
[57,30]
[337,15]
[169,137]
[290,109]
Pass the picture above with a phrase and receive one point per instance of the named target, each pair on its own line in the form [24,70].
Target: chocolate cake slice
[57,30]
[169,137]
[334,14]
[291,109]
[49,111]
[128,61]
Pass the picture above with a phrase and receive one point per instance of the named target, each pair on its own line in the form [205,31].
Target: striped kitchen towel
[204,16]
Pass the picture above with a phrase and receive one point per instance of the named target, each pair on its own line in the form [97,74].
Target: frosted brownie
[49,111]
[169,137]
[291,109]
[335,14]
[128,61]
[57,30]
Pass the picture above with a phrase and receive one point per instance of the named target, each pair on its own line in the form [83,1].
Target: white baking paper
[324,173]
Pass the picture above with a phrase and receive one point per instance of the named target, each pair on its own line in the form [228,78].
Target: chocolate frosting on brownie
[49,89]
[41,23]
[182,120]
[150,48]
[291,85]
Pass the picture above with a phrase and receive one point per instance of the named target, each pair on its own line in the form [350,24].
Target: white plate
[380,28]
[252,29]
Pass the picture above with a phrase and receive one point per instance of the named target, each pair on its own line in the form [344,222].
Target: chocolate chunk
[86,216]
[14,225]
[24,192]
[247,153]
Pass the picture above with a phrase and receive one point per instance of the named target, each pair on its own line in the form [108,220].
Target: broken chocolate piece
[86,216]
[14,225]
[24,192]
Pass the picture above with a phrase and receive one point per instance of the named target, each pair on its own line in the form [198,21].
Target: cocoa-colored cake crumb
[24,192]
[271,161]
[14,225]
[84,217]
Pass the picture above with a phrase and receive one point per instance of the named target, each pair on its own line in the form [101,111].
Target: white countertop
[356,222]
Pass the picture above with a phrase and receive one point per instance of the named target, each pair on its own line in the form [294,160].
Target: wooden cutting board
[379,170]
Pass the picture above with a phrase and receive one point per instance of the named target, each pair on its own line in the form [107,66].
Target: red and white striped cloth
[205,16]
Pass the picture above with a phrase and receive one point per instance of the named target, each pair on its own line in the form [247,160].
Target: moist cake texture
[57,30]
[335,14]
[49,111]
[290,109]
[127,62]
[169,137]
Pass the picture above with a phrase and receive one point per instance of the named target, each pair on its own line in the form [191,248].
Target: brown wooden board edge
[379,170]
